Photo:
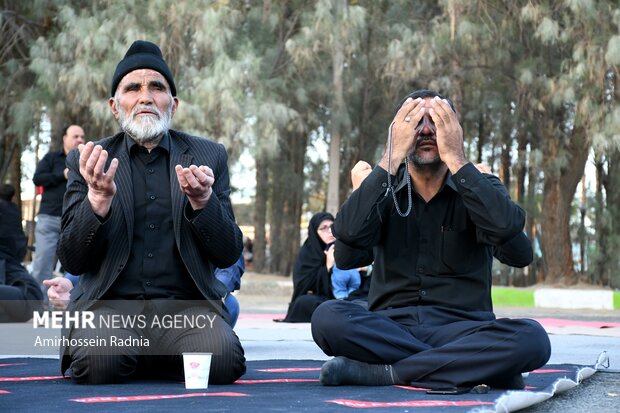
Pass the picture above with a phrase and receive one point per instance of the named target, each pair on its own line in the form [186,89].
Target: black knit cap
[142,55]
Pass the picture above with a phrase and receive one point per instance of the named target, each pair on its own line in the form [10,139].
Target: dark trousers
[162,358]
[432,346]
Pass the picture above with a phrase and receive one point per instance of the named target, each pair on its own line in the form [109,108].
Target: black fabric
[154,268]
[432,346]
[12,238]
[161,358]
[33,385]
[142,55]
[310,274]
[99,251]
[441,254]
[50,175]
[20,293]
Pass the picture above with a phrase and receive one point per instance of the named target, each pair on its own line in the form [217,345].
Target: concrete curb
[574,299]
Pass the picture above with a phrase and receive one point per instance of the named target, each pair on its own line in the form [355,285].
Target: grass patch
[616,300]
[513,297]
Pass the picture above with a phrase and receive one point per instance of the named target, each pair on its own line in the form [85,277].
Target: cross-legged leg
[429,346]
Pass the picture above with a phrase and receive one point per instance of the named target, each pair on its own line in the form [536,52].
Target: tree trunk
[612,189]
[286,201]
[558,193]
[259,263]
[337,115]
[612,186]
[536,272]
[521,168]
[601,226]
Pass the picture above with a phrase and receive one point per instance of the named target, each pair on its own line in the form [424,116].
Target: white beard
[145,128]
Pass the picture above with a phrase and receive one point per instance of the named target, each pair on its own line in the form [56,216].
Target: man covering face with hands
[434,222]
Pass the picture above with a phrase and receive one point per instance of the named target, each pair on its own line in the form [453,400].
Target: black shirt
[50,174]
[441,254]
[155,268]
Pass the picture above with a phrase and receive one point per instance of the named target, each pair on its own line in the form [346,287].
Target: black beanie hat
[142,55]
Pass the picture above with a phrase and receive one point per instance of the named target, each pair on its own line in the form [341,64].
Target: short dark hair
[6,192]
[424,93]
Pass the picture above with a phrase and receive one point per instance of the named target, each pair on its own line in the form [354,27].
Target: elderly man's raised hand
[101,186]
[196,182]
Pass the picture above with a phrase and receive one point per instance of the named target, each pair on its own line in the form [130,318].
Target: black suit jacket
[99,250]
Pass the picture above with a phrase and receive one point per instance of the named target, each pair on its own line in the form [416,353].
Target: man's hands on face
[196,182]
[101,186]
[403,130]
[449,134]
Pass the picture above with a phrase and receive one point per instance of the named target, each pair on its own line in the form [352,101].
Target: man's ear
[175,104]
[113,108]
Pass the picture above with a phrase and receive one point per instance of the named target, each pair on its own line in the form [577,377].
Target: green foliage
[259,77]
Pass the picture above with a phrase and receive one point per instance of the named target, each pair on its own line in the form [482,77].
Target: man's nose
[426,126]
[145,95]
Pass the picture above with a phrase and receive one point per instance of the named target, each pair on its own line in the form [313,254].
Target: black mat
[34,385]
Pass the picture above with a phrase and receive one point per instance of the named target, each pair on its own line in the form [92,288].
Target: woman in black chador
[312,272]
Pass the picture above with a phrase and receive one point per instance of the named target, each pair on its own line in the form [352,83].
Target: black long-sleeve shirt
[50,174]
[441,254]
[155,268]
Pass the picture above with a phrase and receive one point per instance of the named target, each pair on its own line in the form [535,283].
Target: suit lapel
[124,187]
[178,156]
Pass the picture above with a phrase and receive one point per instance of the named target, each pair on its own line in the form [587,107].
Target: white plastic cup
[196,367]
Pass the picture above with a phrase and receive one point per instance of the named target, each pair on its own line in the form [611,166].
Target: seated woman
[312,271]
[20,294]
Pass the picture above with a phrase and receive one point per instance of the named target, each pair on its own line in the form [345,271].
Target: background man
[51,174]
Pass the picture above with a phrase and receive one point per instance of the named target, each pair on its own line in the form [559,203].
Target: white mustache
[147,108]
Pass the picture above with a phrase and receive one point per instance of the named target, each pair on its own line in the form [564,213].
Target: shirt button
[150,170]
[148,283]
[152,226]
[422,292]
[152,197]
[463,180]
[150,255]
[384,184]
[420,270]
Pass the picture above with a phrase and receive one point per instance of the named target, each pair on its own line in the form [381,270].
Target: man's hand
[449,134]
[196,182]
[403,130]
[359,172]
[101,186]
[58,292]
